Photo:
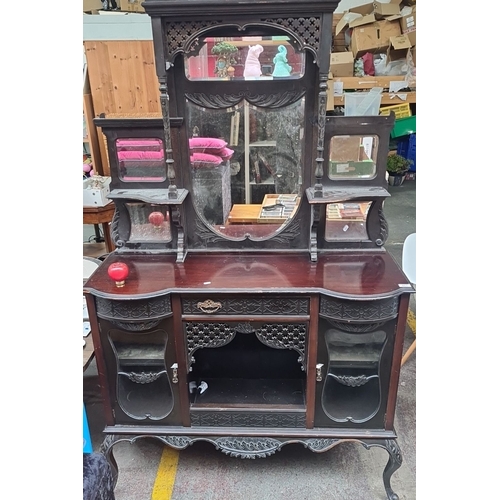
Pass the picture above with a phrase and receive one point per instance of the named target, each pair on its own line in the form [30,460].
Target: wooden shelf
[367,83]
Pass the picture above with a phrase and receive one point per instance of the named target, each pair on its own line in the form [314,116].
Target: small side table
[101,215]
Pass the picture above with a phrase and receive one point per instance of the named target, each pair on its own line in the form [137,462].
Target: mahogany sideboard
[286,328]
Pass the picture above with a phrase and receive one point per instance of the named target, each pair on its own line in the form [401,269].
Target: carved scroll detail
[384,228]
[351,381]
[115,234]
[136,327]
[142,377]
[248,447]
[218,101]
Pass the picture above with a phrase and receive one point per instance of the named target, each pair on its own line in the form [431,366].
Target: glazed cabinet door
[355,346]
[139,351]
[246,360]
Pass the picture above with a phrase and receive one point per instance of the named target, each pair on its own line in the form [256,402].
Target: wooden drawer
[263,305]
[359,310]
[134,310]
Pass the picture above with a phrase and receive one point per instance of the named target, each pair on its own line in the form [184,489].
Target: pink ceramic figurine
[252,64]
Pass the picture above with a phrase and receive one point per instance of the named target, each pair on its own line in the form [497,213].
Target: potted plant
[225,57]
[397,168]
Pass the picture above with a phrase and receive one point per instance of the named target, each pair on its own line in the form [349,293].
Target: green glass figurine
[281,66]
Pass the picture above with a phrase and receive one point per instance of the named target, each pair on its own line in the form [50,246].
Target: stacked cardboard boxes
[131,6]
[377,28]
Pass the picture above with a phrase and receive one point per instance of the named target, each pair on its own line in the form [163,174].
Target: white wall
[117,26]
[347,4]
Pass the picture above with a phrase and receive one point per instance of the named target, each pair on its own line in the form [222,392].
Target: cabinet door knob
[175,378]
[319,375]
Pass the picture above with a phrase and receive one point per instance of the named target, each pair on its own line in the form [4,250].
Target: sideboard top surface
[350,275]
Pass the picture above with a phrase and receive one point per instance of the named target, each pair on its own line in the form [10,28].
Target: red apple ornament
[118,271]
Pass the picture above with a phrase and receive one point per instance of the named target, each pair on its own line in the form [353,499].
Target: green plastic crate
[404,126]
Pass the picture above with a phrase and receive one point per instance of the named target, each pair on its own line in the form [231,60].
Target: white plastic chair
[409,264]
[89,266]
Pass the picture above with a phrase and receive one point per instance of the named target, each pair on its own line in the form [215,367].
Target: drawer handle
[209,306]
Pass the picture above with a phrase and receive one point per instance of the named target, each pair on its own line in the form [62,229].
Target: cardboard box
[382,10]
[374,38]
[342,64]
[368,13]
[90,5]
[409,26]
[398,48]
[131,6]
[95,197]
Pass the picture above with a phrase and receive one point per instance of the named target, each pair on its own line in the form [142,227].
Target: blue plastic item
[87,442]
[407,147]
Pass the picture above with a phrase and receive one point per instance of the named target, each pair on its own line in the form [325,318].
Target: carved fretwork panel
[305,28]
[284,336]
[247,419]
[201,335]
[346,310]
[252,305]
[178,33]
[274,335]
[183,36]
[157,307]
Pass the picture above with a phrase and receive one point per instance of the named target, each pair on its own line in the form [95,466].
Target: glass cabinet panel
[351,391]
[352,157]
[148,222]
[346,221]
[141,160]
[142,386]
[244,58]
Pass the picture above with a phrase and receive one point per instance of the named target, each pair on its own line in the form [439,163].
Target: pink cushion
[140,155]
[144,144]
[142,179]
[205,160]
[210,145]
[226,154]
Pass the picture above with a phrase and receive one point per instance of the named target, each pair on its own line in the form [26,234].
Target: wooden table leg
[107,238]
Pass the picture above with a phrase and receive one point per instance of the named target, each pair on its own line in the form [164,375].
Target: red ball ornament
[118,271]
[156,218]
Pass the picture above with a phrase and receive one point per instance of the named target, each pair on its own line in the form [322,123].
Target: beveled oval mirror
[246,159]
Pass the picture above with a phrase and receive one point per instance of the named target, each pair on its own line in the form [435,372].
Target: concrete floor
[348,471]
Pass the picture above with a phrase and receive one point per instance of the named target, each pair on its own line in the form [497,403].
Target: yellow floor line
[165,477]
[412,321]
